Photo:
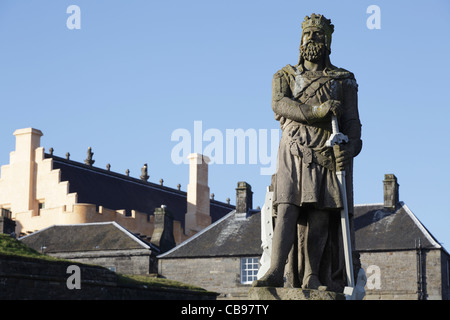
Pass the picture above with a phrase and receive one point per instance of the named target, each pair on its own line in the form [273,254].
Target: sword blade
[346,231]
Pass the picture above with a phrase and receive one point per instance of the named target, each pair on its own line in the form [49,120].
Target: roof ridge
[126,178]
[125,231]
[421,227]
[212,225]
[134,237]
[368,204]
[115,175]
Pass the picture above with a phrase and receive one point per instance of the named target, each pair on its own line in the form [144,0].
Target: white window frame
[249,269]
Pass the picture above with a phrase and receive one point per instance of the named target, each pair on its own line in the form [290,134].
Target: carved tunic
[306,166]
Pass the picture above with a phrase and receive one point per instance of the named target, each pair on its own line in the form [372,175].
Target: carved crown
[319,21]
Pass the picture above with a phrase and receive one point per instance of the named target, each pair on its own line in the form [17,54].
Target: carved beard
[312,51]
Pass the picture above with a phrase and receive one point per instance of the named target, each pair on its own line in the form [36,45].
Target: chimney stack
[244,197]
[390,191]
[23,158]
[198,201]
[162,236]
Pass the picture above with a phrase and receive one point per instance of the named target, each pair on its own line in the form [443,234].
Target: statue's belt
[309,156]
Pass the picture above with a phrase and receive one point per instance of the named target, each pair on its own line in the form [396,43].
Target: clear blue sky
[138,70]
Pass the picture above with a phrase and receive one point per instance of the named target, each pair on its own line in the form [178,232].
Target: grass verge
[148,281]
[13,247]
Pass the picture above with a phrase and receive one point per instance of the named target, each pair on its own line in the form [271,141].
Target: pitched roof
[233,235]
[378,228]
[120,192]
[85,237]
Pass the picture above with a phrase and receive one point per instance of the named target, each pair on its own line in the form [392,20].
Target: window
[41,206]
[249,269]
[5,213]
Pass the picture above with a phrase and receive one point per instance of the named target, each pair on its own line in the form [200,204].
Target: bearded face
[312,51]
[313,44]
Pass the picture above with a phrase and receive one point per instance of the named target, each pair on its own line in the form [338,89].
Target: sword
[339,138]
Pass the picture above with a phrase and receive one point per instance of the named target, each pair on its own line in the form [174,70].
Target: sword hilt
[336,137]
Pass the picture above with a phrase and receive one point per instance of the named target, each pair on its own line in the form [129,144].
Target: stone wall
[393,275]
[445,267]
[218,274]
[133,261]
[35,279]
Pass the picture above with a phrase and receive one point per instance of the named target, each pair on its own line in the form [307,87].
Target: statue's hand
[342,155]
[280,118]
[326,108]
[334,107]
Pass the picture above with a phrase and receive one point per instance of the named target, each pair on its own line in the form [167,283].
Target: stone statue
[307,239]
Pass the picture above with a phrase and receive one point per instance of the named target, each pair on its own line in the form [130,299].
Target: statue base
[272,293]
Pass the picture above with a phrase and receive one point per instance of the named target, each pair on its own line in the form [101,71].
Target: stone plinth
[271,293]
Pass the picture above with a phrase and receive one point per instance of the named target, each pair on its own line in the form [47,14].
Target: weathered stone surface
[24,278]
[272,293]
[309,100]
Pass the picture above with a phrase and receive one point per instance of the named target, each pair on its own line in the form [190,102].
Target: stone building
[218,245]
[401,258]
[40,189]
[224,256]
[106,244]
[7,225]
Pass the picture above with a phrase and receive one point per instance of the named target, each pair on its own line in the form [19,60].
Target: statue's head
[316,37]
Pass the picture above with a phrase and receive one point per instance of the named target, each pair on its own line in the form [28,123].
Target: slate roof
[85,237]
[376,228]
[120,192]
[233,235]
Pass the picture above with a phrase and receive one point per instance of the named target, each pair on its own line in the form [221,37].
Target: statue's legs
[282,241]
[284,235]
[316,240]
